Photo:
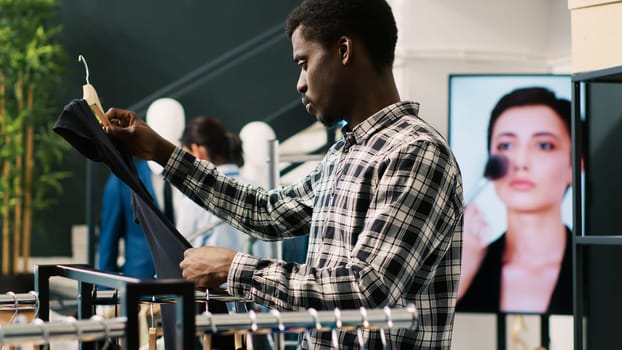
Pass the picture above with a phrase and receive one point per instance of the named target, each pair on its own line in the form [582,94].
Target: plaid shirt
[383,212]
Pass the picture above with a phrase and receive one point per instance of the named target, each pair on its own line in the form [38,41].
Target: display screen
[511,137]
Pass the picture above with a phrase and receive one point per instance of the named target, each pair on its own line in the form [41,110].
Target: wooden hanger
[90,96]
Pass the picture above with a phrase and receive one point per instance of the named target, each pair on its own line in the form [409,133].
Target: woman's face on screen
[537,143]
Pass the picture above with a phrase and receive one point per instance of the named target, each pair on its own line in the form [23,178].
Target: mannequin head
[166,116]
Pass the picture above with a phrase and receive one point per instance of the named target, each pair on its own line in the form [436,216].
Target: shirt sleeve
[414,224]
[268,215]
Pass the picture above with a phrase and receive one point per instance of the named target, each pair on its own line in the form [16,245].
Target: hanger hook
[206,300]
[108,337]
[211,321]
[316,319]
[383,339]
[86,67]
[387,312]
[415,317]
[36,296]
[72,320]
[152,311]
[45,331]
[15,306]
[252,315]
[364,316]
[277,314]
[338,322]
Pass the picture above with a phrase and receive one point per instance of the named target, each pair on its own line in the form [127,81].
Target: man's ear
[345,49]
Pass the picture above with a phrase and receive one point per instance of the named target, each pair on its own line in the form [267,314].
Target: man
[383,210]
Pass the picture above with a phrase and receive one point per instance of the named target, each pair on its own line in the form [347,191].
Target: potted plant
[30,68]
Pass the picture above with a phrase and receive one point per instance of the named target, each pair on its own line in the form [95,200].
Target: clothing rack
[98,328]
[111,297]
[131,292]
[30,300]
[18,301]
[41,332]
[297,321]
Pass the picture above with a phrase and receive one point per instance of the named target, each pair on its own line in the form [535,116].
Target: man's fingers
[118,132]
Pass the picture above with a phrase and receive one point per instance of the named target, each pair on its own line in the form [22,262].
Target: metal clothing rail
[297,321]
[40,332]
[18,301]
[97,328]
[131,291]
[111,297]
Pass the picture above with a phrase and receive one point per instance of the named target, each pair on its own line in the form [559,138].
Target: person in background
[529,267]
[383,209]
[117,223]
[207,139]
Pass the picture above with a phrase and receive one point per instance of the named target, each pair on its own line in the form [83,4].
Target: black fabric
[168,202]
[484,293]
[78,126]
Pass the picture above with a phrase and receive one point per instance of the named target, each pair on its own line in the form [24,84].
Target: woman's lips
[522,184]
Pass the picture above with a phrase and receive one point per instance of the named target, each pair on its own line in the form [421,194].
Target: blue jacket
[117,222]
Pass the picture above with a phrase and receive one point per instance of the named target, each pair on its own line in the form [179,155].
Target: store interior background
[439,38]
[135,50]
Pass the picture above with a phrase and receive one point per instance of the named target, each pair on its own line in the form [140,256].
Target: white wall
[442,37]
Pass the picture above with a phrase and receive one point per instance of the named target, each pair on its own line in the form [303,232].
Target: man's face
[321,78]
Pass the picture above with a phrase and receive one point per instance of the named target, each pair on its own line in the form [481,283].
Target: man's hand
[134,136]
[207,266]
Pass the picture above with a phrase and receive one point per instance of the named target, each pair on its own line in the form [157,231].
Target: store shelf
[597,261]
[599,240]
[608,75]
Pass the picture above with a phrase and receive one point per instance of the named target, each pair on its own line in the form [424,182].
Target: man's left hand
[208,266]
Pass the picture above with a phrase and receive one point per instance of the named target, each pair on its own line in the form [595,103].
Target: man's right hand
[135,137]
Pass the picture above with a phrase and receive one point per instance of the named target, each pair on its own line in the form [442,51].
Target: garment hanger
[46,333]
[37,304]
[364,324]
[249,335]
[90,96]
[333,332]
[207,337]
[15,306]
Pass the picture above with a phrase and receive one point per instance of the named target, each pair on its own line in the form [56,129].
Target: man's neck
[374,95]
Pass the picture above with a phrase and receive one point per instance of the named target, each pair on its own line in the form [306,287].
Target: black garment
[168,202]
[79,127]
[484,293]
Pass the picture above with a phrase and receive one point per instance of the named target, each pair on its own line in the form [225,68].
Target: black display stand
[597,208]
[131,292]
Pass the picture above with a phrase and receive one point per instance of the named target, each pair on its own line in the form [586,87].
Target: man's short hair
[371,21]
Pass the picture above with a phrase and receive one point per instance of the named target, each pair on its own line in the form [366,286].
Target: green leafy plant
[31,63]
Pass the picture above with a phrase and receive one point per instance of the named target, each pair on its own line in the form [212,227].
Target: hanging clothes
[80,128]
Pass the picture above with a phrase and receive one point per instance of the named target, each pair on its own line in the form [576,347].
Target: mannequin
[255,136]
[167,117]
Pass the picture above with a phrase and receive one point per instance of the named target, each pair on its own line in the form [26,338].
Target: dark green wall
[136,48]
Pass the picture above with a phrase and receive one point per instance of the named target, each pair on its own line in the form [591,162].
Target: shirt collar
[379,120]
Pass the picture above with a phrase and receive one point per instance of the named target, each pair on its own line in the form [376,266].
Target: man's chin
[330,122]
